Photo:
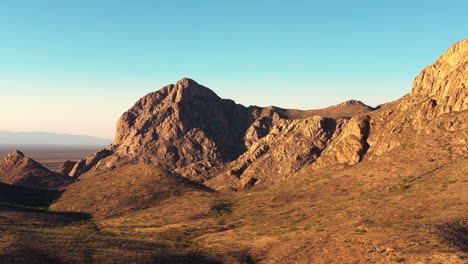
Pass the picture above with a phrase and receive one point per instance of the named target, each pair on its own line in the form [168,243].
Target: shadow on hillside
[73,216]
[455,233]
[39,257]
[27,196]
[31,252]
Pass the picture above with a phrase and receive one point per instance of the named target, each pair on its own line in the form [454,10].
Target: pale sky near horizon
[76,66]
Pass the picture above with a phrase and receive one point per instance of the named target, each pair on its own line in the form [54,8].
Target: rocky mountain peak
[188,89]
[183,123]
[186,82]
[442,86]
[15,154]
[350,103]
[17,157]
[456,54]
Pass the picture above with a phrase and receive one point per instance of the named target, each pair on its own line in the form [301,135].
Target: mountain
[17,169]
[194,178]
[21,138]
[187,129]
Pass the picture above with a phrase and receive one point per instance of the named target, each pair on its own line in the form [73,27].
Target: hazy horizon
[75,67]
[49,138]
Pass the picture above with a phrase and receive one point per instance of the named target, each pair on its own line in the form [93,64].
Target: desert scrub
[221,207]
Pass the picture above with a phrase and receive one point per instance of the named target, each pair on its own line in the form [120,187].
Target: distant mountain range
[9,137]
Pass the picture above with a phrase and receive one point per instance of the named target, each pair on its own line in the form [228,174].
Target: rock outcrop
[66,167]
[442,86]
[17,169]
[89,162]
[350,146]
[277,152]
[439,95]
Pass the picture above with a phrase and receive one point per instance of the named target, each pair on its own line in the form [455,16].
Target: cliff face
[443,85]
[187,129]
[182,124]
[437,104]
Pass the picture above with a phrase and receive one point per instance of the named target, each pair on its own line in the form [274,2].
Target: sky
[76,66]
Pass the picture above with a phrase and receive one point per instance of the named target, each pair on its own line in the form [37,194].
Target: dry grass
[406,206]
[128,188]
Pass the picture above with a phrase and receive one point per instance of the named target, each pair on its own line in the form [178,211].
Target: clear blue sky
[76,66]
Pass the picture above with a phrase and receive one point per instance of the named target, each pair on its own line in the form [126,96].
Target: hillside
[193,178]
[125,189]
[15,168]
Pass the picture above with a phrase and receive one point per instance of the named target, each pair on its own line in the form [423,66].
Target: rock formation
[350,146]
[66,167]
[439,95]
[17,169]
[187,129]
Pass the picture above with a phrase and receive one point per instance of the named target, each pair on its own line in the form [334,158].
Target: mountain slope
[407,205]
[123,190]
[17,169]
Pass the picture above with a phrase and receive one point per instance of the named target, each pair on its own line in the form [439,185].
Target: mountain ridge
[187,129]
[42,137]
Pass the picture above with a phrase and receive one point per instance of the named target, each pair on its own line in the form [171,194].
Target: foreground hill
[125,189]
[17,169]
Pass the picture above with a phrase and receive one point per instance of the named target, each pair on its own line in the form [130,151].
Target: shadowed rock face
[187,129]
[17,169]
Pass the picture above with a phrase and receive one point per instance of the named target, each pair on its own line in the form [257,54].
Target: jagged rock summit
[184,123]
[189,130]
[16,168]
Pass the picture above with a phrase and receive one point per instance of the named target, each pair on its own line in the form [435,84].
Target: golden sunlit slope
[124,189]
[408,205]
